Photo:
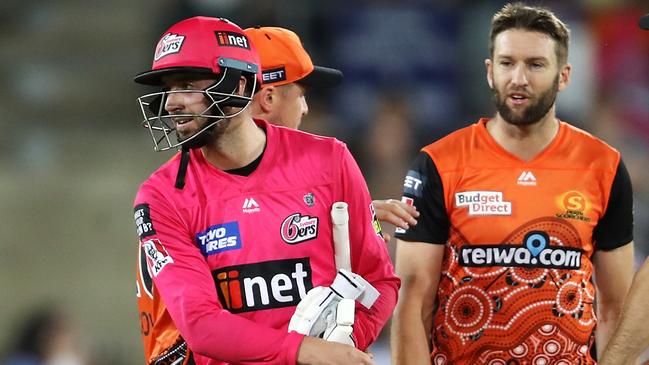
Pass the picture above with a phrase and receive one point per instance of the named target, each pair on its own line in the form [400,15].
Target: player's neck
[524,141]
[241,143]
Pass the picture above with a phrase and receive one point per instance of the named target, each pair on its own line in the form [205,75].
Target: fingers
[396,212]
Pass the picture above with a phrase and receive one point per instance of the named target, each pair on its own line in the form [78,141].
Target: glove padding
[328,312]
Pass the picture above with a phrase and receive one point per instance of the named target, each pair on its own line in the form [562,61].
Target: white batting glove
[328,312]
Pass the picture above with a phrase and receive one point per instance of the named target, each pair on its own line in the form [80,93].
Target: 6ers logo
[298,228]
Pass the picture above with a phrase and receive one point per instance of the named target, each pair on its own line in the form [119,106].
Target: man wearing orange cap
[631,337]
[287,73]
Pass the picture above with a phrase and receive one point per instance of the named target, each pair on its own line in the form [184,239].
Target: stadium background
[72,153]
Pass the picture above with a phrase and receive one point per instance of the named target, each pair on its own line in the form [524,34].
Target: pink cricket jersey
[231,256]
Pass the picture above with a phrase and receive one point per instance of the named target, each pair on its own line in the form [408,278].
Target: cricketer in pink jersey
[236,228]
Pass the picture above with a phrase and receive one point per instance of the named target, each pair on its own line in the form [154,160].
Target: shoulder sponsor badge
[413,183]
[375,222]
[143,222]
[157,255]
[219,238]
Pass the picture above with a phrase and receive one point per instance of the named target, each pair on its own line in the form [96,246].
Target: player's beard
[208,136]
[534,112]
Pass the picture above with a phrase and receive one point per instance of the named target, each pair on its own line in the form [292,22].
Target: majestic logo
[526,179]
[575,205]
[298,228]
[263,285]
[219,238]
[410,202]
[169,44]
[413,183]
[250,206]
[232,39]
[143,223]
[273,75]
[535,251]
[483,202]
[157,256]
[309,199]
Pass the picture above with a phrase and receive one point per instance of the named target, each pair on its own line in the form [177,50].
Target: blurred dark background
[74,154]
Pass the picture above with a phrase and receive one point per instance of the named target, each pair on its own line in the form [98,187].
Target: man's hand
[395,212]
[315,351]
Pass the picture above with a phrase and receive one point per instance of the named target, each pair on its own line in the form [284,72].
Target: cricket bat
[340,220]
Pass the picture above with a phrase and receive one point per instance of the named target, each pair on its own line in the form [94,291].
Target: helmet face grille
[224,103]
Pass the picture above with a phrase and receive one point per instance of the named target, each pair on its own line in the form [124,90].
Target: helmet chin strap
[182,169]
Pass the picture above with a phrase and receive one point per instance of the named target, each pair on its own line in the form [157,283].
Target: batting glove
[328,312]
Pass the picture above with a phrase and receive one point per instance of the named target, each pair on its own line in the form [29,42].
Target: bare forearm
[409,338]
[631,337]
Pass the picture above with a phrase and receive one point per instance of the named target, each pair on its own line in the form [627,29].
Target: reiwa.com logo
[535,251]
[483,202]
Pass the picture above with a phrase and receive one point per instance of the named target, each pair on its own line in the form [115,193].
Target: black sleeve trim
[615,229]
[423,185]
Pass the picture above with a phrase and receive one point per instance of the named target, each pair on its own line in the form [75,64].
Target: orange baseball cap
[284,60]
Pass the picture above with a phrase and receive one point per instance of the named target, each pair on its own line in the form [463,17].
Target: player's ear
[490,72]
[267,98]
[564,76]
[241,90]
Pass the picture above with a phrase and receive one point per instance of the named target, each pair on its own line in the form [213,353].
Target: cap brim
[644,22]
[154,77]
[322,77]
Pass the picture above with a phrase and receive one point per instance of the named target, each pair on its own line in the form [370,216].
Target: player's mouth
[518,98]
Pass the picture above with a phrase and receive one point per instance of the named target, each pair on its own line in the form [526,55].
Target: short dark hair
[531,18]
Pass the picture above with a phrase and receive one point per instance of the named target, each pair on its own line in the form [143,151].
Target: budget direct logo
[574,205]
[535,251]
[219,238]
[298,228]
[263,285]
[483,202]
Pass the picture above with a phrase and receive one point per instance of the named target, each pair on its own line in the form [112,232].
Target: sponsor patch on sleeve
[375,222]
[143,222]
[219,238]
[413,183]
[157,255]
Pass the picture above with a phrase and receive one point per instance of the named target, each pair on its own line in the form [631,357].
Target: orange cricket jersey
[163,344]
[516,276]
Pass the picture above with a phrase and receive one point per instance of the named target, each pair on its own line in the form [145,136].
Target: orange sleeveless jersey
[516,277]
[163,344]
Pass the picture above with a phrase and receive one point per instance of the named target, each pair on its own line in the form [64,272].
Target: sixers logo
[298,228]
[169,44]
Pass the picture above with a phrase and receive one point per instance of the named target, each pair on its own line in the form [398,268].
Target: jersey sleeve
[422,187]
[615,229]
[369,256]
[186,286]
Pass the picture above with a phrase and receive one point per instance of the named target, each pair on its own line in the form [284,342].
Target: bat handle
[340,220]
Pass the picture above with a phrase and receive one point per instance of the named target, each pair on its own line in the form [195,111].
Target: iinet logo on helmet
[232,39]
